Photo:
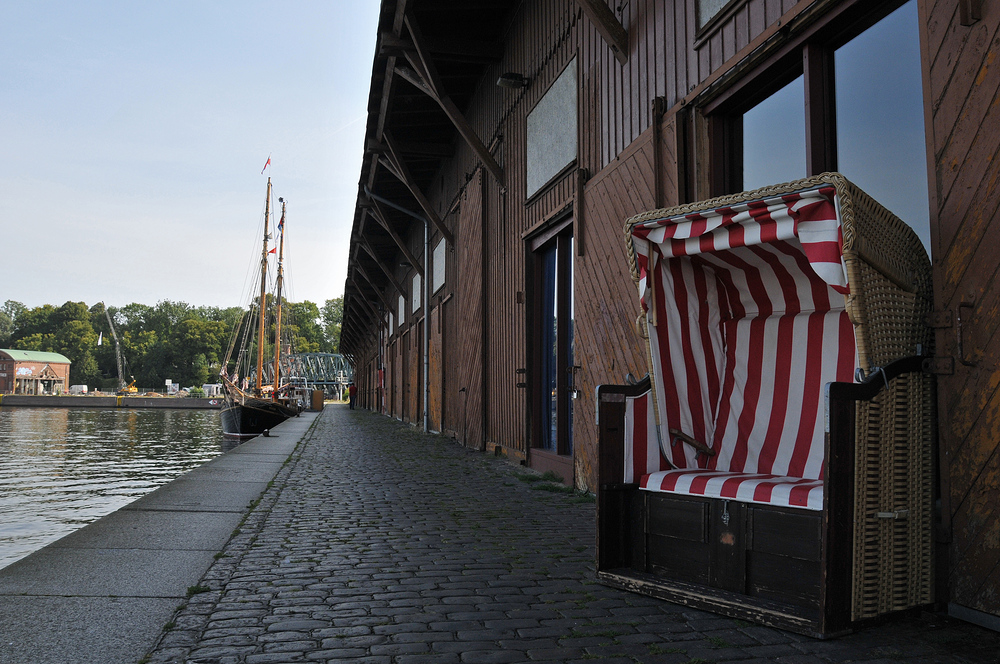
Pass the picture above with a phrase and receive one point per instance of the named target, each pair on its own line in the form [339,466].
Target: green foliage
[333,316]
[170,340]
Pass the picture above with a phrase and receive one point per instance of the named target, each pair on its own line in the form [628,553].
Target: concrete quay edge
[104,593]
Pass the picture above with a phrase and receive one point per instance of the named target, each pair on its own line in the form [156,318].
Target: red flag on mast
[266,165]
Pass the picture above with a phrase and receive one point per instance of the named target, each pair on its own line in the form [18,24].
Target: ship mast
[263,294]
[281,276]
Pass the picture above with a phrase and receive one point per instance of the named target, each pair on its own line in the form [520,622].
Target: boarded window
[439,265]
[402,310]
[552,140]
[392,323]
[415,304]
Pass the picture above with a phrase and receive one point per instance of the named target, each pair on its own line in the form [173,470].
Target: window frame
[809,54]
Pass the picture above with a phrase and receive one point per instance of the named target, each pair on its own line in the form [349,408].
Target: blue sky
[132,136]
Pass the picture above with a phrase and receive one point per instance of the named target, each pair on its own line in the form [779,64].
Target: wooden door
[467,394]
[965,205]
[435,373]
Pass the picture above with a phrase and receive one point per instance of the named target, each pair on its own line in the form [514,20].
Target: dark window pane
[880,123]
[549,354]
[774,138]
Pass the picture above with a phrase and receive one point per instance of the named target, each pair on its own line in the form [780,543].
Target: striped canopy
[745,310]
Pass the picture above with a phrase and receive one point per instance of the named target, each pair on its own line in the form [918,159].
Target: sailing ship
[255,400]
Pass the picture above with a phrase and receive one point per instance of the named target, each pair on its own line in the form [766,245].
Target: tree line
[172,340]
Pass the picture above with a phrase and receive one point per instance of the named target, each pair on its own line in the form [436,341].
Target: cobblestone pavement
[379,543]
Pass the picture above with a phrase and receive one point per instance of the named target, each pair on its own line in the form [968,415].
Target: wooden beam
[371,282]
[425,67]
[452,48]
[403,173]
[611,30]
[377,317]
[416,148]
[378,261]
[378,214]
[417,80]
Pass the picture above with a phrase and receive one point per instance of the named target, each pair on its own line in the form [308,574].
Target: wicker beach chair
[776,463]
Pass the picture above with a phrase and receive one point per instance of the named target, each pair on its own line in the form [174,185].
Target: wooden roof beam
[376,317]
[403,173]
[452,48]
[431,83]
[371,252]
[416,149]
[610,29]
[378,214]
[371,282]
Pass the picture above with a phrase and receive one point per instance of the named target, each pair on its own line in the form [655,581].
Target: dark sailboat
[255,402]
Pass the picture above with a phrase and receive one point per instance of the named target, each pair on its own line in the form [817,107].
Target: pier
[110,401]
[350,535]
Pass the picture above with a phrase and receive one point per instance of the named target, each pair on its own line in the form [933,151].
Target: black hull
[253,417]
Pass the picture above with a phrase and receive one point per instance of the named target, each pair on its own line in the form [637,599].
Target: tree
[8,318]
[304,326]
[333,317]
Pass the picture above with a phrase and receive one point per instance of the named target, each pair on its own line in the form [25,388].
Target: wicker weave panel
[894,557]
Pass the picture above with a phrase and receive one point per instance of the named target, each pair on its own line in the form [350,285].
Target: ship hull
[252,417]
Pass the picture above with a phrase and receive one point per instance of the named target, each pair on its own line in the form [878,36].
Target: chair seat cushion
[743,487]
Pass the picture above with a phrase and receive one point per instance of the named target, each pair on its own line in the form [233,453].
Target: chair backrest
[745,313]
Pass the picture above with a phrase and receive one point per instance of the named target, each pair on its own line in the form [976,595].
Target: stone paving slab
[378,543]
[80,630]
[103,594]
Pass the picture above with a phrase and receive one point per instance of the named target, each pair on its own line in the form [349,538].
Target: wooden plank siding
[963,103]
[642,143]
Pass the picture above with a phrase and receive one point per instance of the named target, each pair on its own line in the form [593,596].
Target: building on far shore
[33,372]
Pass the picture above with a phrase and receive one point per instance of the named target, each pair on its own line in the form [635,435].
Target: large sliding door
[554,366]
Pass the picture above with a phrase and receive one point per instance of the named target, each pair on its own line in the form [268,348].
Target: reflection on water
[61,468]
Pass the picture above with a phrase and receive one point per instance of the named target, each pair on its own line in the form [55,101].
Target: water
[61,468]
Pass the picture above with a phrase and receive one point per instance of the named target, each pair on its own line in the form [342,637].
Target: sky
[133,134]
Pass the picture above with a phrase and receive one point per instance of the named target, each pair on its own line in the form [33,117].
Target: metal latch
[898,514]
[942,366]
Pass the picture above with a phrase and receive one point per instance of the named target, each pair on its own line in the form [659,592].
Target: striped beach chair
[748,472]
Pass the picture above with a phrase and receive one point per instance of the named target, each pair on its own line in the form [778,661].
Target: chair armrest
[610,402]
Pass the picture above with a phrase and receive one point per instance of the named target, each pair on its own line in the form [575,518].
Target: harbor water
[62,468]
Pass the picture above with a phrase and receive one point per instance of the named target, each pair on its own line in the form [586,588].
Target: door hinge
[941,366]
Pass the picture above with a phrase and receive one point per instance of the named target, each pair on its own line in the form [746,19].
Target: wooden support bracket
[401,171]
[378,261]
[429,81]
[378,214]
[611,30]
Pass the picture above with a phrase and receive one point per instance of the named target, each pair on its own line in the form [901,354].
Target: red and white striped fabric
[745,306]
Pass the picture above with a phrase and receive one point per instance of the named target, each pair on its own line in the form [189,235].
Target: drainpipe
[427,326]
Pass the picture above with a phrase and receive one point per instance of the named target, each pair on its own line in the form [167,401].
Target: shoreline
[109,401]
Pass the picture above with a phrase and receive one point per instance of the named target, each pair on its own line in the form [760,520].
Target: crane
[130,388]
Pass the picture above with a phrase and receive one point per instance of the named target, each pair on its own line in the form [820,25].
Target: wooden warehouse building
[507,142]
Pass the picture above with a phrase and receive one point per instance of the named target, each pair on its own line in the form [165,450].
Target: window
[774,138]
[402,310]
[707,9]
[415,294]
[392,323]
[440,254]
[852,105]
[551,127]
[880,117]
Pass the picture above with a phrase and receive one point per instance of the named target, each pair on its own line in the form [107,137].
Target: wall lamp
[512,81]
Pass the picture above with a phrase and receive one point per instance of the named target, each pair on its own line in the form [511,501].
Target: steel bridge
[329,372]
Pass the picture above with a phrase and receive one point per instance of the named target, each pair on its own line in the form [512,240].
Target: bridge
[329,372]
